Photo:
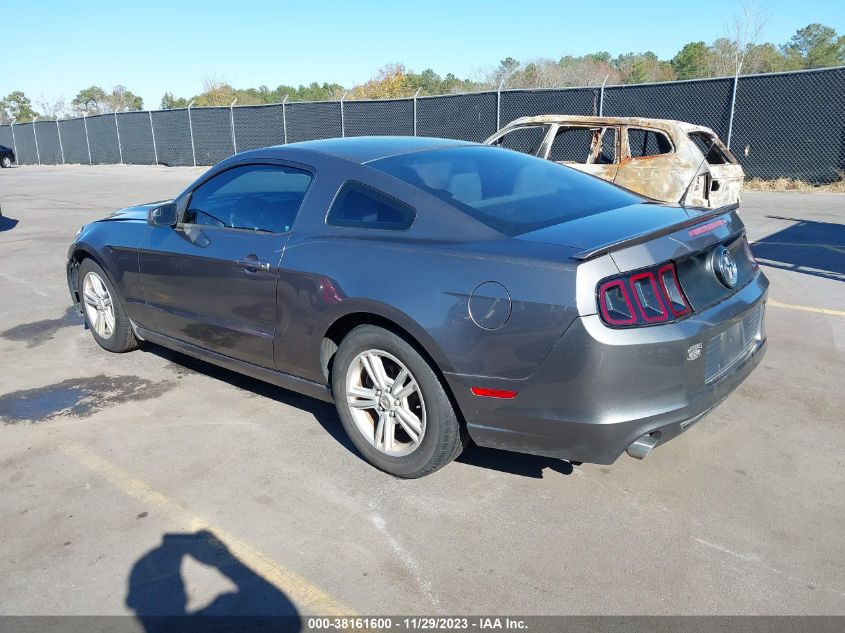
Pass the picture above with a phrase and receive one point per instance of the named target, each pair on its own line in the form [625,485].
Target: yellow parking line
[300,591]
[790,306]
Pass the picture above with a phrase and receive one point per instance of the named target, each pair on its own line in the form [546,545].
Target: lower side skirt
[299,385]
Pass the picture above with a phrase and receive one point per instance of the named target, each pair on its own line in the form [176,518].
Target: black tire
[6,162]
[444,437]
[122,339]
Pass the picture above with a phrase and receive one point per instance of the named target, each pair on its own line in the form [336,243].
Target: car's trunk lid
[617,228]
[643,236]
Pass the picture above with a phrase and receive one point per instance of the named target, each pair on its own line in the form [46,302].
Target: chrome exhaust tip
[642,447]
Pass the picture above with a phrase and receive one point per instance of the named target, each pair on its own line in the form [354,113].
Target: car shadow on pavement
[513,463]
[159,593]
[326,414]
[811,248]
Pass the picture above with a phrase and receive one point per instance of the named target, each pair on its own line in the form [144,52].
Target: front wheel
[6,162]
[392,404]
[103,313]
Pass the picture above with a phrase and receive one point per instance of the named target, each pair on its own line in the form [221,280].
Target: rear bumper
[600,389]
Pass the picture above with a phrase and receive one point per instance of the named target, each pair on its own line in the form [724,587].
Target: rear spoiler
[650,235]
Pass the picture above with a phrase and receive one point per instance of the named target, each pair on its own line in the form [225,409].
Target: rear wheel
[103,313]
[392,404]
[6,161]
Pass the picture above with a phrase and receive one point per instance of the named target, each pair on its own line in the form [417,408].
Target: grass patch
[793,184]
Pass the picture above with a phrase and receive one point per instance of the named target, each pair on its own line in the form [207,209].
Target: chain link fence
[782,125]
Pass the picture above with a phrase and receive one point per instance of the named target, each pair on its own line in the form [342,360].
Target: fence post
[117,129]
[232,121]
[342,120]
[191,129]
[14,141]
[153,132]
[285,119]
[416,94]
[61,146]
[35,136]
[499,104]
[601,96]
[499,97]
[87,142]
[733,108]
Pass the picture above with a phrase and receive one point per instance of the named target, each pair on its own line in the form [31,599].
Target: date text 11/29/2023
[417,623]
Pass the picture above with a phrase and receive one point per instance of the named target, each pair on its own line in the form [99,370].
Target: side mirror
[165,215]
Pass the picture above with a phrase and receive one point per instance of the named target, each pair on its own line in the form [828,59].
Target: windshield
[508,191]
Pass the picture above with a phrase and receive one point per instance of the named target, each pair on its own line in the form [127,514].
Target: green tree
[767,58]
[692,61]
[601,57]
[91,99]
[169,102]
[121,98]
[427,82]
[95,100]
[16,105]
[816,46]
[637,68]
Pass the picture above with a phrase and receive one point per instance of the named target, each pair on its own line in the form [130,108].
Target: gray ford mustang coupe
[438,291]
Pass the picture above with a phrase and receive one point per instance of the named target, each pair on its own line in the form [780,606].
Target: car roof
[665,124]
[363,149]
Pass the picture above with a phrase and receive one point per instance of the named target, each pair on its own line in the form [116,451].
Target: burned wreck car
[669,161]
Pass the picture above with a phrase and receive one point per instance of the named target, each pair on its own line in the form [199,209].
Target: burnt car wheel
[102,310]
[392,404]
[6,161]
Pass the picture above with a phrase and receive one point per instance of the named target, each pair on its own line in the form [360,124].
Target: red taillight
[747,248]
[678,303]
[657,294]
[493,393]
[616,307]
[648,298]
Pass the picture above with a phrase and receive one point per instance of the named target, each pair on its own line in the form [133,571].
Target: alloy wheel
[99,306]
[386,402]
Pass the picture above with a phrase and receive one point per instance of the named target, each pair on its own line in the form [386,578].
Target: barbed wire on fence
[779,125]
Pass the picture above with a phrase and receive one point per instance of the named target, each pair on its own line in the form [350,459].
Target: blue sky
[54,49]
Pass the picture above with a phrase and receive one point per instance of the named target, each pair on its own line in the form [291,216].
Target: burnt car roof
[665,124]
[363,149]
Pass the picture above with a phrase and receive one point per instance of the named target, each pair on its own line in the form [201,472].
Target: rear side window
[357,205]
[643,143]
[707,144]
[510,192]
[523,139]
[253,197]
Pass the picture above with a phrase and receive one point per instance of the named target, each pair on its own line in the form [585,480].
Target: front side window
[357,205]
[510,192]
[642,143]
[571,145]
[252,197]
[523,139]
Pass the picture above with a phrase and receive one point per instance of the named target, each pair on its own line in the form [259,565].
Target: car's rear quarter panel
[424,290]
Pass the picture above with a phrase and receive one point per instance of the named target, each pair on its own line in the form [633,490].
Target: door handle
[251,265]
